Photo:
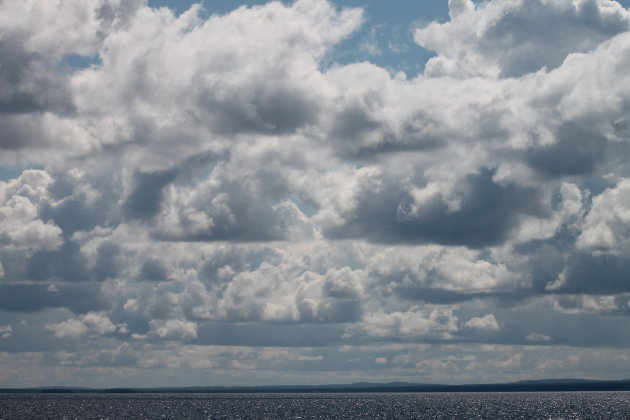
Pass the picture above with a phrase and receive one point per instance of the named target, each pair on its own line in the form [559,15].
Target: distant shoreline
[551,385]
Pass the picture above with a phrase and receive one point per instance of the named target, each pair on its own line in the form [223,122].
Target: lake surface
[515,405]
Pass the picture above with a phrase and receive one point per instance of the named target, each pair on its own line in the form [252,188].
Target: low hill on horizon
[549,385]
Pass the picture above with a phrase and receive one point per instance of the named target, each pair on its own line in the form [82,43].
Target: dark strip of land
[549,385]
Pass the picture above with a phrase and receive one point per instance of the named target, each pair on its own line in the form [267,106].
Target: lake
[514,405]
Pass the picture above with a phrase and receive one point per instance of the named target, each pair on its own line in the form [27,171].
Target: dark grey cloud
[331,311]
[544,260]
[74,214]
[29,80]
[520,34]
[19,131]
[270,107]
[146,198]
[63,264]
[75,201]
[209,270]
[107,264]
[562,329]
[576,151]
[487,214]
[153,270]
[353,123]
[594,274]
[352,126]
[445,297]
[79,298]
[271,335]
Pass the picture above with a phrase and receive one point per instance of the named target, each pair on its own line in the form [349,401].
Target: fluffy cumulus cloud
[173,329]
[488,322]
[413,323]
[91,323]
[515,37]
[21,225]
[213,196]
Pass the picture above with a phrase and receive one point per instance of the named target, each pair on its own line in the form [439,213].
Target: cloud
[606,224]
[310,358]
[153,270]
[597,274]
[269,93]
[173,329]
[434,272]
[21,202]
[90,323]
[145,200]
[487,322]
[536,337]
[576,152]
[5,331]
[478,213]
[70,328]
[224,209]
[283,292]
[79,298]
[26,82]
[511,363]
[576,304]
[34,83]
[415,323]
[516,37]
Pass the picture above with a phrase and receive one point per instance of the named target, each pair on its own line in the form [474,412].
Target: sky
[313,192]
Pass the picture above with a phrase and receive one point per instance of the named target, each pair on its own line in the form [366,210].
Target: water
[547,405]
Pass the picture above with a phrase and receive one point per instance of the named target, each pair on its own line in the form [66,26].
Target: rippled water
[547,405]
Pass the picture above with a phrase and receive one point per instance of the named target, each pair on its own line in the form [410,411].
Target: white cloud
[513,362]
[69,328]
[173,329]
[5,331]
[21,202]
[537,337]
[65,27]
[449,268]
[98,323]
[515,37]
[486,323]
[569,215]
[310,358]
[607,224]
[439,323]
[579,304]
[258,78]
[91,323]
